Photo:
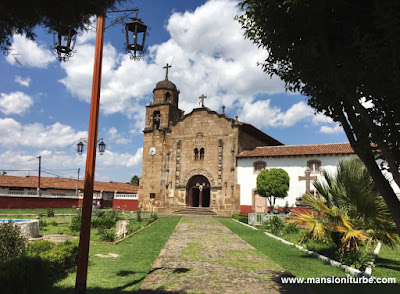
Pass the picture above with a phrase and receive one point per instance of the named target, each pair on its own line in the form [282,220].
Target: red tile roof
[298,150]
[64,184]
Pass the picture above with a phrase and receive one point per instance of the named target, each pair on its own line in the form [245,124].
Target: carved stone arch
[202,172]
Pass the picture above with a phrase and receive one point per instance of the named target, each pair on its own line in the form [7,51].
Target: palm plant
[348,209]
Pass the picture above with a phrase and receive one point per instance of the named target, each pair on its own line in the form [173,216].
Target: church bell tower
[163,111]
[161,114]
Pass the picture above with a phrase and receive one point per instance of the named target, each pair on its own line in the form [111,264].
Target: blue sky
[44,104]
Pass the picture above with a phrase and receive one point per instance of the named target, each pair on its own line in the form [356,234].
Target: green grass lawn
[125,273]
[388,263]
[36,211]
[63,218]
[299,263]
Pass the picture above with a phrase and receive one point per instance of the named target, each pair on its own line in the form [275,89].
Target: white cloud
[112,159]
[23,82]
[15,103]
[218,62]
[262,114]
[331,130]
[115,137]
[37,135]
[320,118]
[294,114]
[29,53]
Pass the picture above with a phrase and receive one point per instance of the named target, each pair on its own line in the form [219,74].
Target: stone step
[195,211]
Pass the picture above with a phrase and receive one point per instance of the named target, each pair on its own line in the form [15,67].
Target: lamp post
[80,145]
[64,43]
[84,238]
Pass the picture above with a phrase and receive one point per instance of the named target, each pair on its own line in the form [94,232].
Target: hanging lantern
[102,147]
[138,31]
[80,147]
[64,43]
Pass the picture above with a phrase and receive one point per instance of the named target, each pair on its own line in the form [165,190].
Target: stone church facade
[190,160]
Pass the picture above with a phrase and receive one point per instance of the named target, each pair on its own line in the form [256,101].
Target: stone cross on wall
[202,97]
[166,70]
[308,178]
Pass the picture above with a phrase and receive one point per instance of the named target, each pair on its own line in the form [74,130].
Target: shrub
[50,212]
[356,259]
[61,258]
[242,218]
[42,224]
[139,214]
[274,225]
[291,228]
[286,209]
[24,274]
[154,216]
[53,223]
[12,242]
[149,221]
[108,235]
[75,224]
[106,220]
[39,246]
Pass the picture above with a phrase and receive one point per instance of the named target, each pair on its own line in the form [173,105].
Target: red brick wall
[42,202]
[245,209]
[125,204]
[35,202]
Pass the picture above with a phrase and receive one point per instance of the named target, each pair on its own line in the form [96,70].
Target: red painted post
[84,239]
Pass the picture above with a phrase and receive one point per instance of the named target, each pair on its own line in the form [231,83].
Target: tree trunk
[360,144]
[384,188]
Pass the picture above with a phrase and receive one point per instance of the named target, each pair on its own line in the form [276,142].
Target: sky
[44,103]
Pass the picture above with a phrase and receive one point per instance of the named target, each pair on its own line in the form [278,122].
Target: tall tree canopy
[134,180]
[342,55]
[18,17]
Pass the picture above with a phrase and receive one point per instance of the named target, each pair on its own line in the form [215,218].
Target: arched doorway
[198,192]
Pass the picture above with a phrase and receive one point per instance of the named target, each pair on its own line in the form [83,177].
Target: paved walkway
[203,256]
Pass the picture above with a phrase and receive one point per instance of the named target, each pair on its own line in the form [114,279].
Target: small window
[196,154]
[152,195]
[167,96]
[314,166]
[259,166]
[202,154]
[156,120]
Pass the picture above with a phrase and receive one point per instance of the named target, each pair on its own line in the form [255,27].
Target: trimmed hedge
[242,218]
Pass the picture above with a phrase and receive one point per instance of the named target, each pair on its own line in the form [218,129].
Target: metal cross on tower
[166,70]
[202,97]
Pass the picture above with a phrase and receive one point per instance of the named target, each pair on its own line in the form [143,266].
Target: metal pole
[40,167]
[84,239]
[77,183]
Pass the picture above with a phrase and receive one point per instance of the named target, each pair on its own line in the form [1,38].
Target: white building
[303,163]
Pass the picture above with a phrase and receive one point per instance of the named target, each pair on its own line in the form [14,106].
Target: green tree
[135,180]
[273,183]
[342,55]
[23,17]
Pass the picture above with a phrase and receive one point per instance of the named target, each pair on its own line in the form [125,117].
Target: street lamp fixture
[138,30]
[80,145]
[64,43]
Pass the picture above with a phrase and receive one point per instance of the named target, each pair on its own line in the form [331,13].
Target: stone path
[203,256]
